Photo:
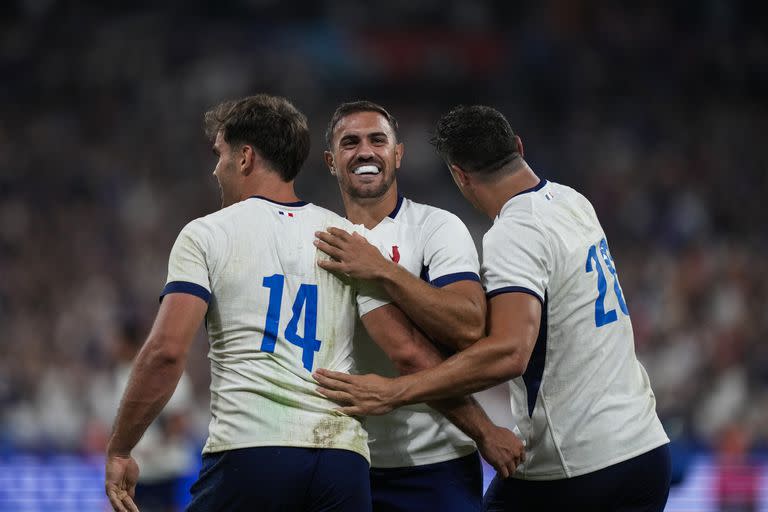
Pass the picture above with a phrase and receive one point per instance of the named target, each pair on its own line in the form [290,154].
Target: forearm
[466,414]
[149,388]
[452,318]
[486,363]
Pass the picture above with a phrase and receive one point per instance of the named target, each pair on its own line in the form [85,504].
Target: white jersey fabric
[273,316]
[436,245]
[584,402]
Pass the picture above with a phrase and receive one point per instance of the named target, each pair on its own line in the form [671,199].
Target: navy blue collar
[393,214]
[539,186]
[296,203]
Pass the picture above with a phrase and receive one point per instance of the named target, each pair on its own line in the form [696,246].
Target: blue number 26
[603,317]
[306,299]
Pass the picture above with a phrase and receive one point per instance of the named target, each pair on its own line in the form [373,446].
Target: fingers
[117,497]
[331,266]
[352,410]
[339,233]
[340,397]
[331,250]
[329,376]
[334,237]
[130,505]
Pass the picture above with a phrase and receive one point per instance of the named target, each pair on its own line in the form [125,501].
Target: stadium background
[657,113]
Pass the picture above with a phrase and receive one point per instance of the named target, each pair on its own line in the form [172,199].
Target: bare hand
[360,395]
[120,483]
[502,450]
[352,253]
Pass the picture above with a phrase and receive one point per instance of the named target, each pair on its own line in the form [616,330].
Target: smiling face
[365,155]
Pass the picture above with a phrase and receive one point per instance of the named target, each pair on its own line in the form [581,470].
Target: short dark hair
[271,124]
[476,138]
[353,107]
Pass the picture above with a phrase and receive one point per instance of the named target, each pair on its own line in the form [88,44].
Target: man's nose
[364,152]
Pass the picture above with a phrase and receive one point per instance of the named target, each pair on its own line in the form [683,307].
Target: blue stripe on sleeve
[452,278]
[510,289]
[534,373]
[186,287]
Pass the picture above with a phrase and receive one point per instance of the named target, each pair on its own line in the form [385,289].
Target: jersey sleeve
[516,258]
[449,251]
[188,265]
[369,295]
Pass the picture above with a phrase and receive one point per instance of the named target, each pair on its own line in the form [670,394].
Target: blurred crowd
[657,114]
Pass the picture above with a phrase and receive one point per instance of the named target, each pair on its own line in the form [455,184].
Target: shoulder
[430,217]
[517,222]
[327,218]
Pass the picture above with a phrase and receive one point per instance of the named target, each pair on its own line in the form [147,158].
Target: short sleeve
[449,251]
[516,258]
[187,264]
[369,295]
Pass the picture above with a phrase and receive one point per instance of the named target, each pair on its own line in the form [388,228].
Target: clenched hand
[502,449]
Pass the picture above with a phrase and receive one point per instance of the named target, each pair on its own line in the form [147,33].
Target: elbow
[408,360]
[469,334]
[165,351]
[515,365]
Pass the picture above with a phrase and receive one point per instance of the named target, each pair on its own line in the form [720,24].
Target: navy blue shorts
[640,484]
[454,485]
[159,495]
[282,479]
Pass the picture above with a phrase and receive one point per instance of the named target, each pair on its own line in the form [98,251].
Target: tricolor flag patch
[281,212]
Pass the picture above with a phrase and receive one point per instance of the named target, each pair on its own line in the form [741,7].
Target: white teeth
[367,169]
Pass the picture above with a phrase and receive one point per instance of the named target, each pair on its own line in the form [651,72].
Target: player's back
[584,402]
[273,317]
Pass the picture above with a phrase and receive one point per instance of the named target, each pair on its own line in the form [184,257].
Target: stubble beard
[367,192]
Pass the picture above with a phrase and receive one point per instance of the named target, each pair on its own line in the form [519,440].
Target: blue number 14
[603,317]
[306,299]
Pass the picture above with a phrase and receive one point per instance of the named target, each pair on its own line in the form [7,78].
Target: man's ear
[461,176]
[519,145]
[399,151]
[246,159]
[328,157]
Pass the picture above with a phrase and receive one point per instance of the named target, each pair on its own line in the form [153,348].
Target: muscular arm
[514,320]
[453,314]
[157,369]
[156,372]
[411,352]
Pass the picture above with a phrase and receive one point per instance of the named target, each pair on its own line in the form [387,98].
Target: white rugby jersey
[584,402]
[434,244]
[273,316]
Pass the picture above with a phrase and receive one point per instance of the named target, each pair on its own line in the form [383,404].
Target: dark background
[656,112]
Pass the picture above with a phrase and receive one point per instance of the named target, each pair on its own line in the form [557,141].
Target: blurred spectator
[738,477]
[165,452]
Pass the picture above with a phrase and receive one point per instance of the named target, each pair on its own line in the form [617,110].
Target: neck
[493,195]
[370,211]
[271,188]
